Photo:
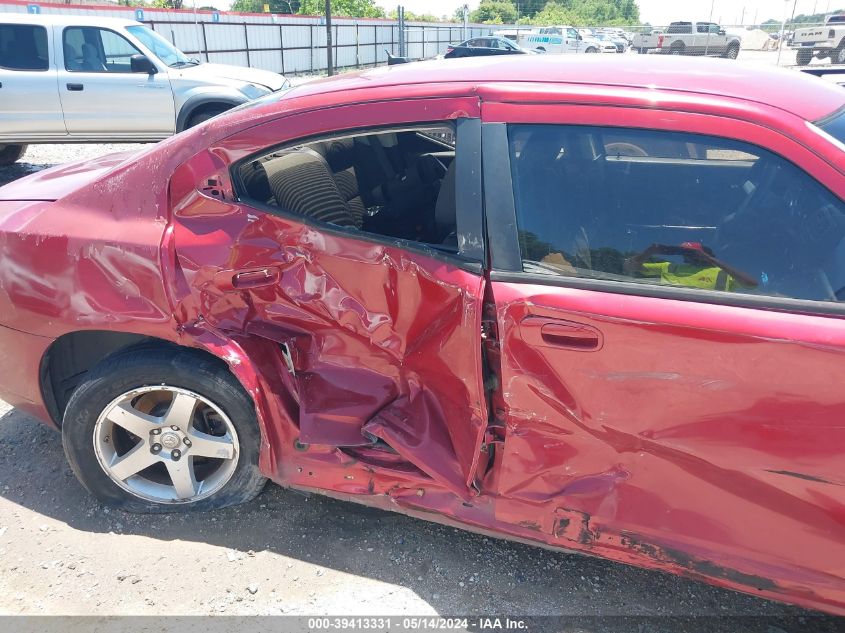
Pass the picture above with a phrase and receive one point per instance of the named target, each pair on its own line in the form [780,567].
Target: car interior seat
[73,58]
[91,59]
[301,182]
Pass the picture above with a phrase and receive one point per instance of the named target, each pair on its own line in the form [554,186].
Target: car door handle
[235,280]
[547,332]
[75,87]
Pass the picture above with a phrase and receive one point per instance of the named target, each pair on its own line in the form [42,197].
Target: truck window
[836,19]
[673,209]
[23,47]
[680,27]
[95,50]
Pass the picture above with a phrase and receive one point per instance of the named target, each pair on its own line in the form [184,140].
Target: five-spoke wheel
[155,429]
[166,444]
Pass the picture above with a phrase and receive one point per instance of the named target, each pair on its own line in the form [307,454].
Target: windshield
[160,47]
[835,125]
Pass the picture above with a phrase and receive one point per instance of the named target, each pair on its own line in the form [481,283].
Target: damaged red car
[591,304]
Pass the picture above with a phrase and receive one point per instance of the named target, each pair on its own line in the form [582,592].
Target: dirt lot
[288,553]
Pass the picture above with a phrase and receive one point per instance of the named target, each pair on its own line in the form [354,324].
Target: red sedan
[589,304]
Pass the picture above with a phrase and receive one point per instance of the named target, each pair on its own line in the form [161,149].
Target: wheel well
[189,111]
[73,355]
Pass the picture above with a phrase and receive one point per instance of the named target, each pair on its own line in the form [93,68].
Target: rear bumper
[20,367]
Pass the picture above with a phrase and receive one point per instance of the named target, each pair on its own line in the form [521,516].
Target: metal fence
[298,47]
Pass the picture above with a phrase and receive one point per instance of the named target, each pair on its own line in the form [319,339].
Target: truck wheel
[642,50]
[205,115]
[839,56]
[163,430]
[10,153]
[804,57]
[591,50]
[677,49]
[732,52]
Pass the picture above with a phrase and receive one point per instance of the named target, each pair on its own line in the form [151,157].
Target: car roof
[792,91]
[50,19]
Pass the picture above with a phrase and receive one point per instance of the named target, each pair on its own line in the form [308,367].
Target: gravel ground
[288,553]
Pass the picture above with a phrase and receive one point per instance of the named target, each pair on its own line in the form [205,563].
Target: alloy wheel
[166,444]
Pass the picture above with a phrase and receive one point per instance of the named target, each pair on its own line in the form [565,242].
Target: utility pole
[329,56]
[783,28]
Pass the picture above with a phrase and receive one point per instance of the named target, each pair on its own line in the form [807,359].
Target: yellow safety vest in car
[713,278]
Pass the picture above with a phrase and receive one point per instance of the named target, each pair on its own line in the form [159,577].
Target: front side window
[396,184]
[23,47]
[94,50]
[674,209]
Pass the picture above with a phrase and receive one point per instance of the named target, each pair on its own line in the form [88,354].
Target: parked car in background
[485,46]
[560,40]
[81,79]
[834,75]
[823,42]
[368,287]
[620,44]
[691,38]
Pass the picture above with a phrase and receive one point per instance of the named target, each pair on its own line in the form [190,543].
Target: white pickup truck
[826,41]
[558,40]
[87,79]
[689,38]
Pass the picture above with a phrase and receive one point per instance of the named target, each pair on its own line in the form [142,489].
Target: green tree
[414,17]
[166,4]
[494,12]
[257,6]
[343,8]
[589,12]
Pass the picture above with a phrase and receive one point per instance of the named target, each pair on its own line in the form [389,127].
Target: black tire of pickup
[838,56]
[733,51]
[10,153]
[804,57]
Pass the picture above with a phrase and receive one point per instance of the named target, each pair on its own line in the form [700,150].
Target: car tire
[205,115]
[838,56]
[133,386]
[591,50]
[11,153]
[732,52]
[803,57]
[677,49]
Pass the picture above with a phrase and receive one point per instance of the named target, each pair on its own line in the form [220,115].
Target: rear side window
[395,184]
[23,47]
[672,209]
[680,27]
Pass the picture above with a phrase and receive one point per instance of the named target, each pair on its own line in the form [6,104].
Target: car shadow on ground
[453,571]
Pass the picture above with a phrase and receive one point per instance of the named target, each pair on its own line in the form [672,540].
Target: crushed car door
[672,345]
[381,335]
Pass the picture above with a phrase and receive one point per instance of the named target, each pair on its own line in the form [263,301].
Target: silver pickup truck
[91,79]
[689,38]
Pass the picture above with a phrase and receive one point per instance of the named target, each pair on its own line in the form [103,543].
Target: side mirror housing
[721,31]
[580,37]
[142,64]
